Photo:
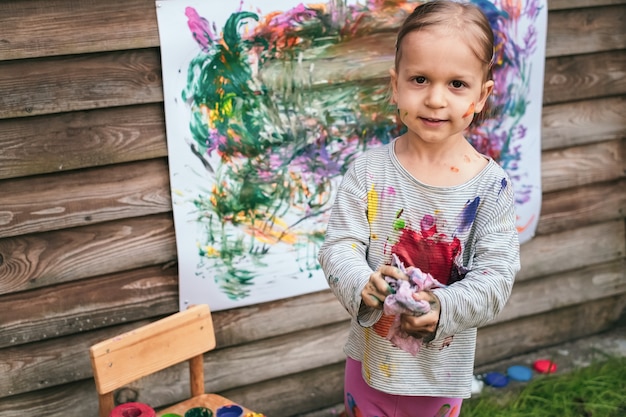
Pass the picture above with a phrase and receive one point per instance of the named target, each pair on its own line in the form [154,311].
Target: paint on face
[454,169]
[470,110]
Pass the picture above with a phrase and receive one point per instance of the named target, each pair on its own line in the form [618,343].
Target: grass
[598,390]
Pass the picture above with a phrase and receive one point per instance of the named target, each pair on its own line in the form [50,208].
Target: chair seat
[210,401]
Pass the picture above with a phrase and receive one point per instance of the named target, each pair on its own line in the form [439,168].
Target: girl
[430,200]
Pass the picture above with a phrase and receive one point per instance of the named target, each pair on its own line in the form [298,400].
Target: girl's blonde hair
[465,18]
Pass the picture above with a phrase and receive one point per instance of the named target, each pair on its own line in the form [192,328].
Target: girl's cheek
[470,110]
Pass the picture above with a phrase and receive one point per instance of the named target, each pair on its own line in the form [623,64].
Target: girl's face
[439,85]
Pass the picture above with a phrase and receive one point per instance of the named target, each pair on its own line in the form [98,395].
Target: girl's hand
[424,326]
[377,289]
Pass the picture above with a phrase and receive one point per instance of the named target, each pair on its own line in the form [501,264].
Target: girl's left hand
[424,326]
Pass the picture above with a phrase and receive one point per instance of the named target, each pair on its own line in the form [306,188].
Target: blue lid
[520,373]
[496,379]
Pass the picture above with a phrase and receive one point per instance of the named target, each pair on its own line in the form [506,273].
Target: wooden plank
[247,324]
[67,141]
[584,76]
[91,26]
[580,286]
[581,165]
[572,4]
[581,206]
[83,82]
[70,27]
[76,399]
[79,198]
[590,30]
[583,122]
[527,334]
[145,350]
[50,258]
[52,362]
[87,305]
[73,83]
[65,359]
[559,252]
[252,363]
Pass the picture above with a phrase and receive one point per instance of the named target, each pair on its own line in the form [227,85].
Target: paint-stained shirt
[464,236]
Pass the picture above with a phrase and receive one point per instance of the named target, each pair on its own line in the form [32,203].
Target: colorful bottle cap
[496,379]
[544,366]
[519,373]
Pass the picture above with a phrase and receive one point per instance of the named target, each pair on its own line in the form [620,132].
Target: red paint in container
[133,410]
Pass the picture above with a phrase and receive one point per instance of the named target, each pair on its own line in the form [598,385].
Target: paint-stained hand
[425,326]
[377,289]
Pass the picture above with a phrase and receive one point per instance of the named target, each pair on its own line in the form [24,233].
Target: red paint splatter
[454,169]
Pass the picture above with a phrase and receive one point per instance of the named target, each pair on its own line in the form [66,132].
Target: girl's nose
[436,97]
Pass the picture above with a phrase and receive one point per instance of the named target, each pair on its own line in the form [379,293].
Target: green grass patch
[598,390]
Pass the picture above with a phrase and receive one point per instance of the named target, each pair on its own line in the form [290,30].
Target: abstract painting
[268,101]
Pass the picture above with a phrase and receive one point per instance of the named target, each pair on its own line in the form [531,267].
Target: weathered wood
[39,260]
[78,198]
[240,331]
[91,26]
[579,286]
[583,122]
[69,27]
[240,366]
[76,399]
[133,77]
[82,82]
[586,31]
[27,363]
[581,165]
[576,4]
[67,141]
[52,362]
[570,249]
[527,334]
[323,386]
[86,305]
[584,76]
[598,202]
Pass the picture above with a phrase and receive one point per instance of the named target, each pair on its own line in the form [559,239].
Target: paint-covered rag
[402,302]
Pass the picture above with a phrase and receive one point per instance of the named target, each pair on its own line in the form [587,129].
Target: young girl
[431,201]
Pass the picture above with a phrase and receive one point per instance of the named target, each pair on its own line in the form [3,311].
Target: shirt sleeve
[493,263]
[343,253]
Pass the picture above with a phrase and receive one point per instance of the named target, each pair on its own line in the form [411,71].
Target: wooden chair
[183,336]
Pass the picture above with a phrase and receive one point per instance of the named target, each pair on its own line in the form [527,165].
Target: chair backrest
[125,358]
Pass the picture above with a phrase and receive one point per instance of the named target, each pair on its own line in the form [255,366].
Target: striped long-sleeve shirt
[464,236]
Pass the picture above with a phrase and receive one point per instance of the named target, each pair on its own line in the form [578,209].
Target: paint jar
[133,410]
[232,410]
[199,412]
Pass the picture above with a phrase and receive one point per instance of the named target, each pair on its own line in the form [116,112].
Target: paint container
[133,410]
[232,410]
[199,412]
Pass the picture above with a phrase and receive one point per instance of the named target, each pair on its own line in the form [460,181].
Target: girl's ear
[394,85]
[484,95]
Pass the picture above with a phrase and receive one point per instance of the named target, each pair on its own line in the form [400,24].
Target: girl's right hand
[377,289]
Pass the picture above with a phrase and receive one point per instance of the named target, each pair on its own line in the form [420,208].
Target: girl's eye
[419,80]
[457,84]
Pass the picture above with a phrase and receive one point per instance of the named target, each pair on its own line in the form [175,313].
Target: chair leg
[106,403]
[196,375]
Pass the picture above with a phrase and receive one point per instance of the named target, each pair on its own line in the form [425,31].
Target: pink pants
[361,400]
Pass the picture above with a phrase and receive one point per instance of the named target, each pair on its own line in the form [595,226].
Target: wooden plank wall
[87,245]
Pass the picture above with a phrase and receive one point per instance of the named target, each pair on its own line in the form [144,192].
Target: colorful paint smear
[276,139]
